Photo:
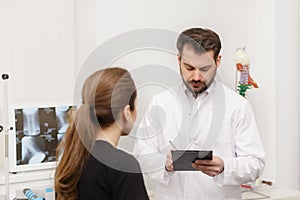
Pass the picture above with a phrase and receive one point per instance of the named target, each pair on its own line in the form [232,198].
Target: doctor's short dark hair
[200,40]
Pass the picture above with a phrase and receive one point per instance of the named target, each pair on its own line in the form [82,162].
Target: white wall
[37,50]
[287,98]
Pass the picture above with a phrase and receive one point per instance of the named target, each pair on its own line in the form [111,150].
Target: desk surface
[272,192]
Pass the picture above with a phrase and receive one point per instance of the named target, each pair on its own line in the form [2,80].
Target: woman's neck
[110,134]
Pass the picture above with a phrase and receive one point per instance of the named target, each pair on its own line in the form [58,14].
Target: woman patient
[91,166]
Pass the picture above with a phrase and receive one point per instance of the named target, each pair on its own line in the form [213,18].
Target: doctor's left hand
[210,167]
[169,163]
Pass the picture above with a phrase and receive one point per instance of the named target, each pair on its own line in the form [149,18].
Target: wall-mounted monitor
[37,131]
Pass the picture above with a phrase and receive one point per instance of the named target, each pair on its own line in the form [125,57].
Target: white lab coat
[220,120]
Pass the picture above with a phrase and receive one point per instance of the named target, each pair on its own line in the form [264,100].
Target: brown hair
[201,40]
[105,93]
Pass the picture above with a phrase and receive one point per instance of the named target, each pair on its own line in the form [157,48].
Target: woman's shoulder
[115,158]
[127,162]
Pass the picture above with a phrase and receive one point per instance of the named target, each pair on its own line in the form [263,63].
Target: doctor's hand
[210,167]
[169,163]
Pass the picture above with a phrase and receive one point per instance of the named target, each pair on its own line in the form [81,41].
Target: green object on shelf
[243,89]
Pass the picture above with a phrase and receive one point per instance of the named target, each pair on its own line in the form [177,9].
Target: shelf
[272,192]
[31,176]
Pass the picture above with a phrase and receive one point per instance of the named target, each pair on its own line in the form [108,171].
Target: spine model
[242,63]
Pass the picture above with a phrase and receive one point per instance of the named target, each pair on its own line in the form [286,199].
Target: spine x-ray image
[38,132]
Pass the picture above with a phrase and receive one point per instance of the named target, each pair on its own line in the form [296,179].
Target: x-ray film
[38,131]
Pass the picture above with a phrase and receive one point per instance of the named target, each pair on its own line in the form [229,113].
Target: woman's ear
[127,113]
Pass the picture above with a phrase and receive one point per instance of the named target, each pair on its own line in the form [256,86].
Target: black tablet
[183,159]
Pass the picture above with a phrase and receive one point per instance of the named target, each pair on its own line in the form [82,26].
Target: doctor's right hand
[169,163]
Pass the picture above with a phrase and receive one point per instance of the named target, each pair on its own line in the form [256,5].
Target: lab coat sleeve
[147,150]
[248,162]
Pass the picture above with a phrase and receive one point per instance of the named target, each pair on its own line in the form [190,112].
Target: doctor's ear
[218,61]
[178,58]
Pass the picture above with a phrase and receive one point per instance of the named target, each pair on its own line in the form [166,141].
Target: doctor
[200,113]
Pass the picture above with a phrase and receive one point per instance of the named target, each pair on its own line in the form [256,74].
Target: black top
[111,174]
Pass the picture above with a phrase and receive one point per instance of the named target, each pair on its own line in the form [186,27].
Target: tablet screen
[183,159]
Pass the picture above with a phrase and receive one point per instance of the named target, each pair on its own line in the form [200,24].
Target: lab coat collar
[188,94]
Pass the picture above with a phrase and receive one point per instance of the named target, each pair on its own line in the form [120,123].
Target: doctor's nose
[197,75]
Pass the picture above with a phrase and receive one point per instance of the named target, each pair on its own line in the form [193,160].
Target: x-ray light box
[37,131]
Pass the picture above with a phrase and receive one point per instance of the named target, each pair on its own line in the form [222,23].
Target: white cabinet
[35,180]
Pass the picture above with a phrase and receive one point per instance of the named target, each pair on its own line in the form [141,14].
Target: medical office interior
[45,43]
